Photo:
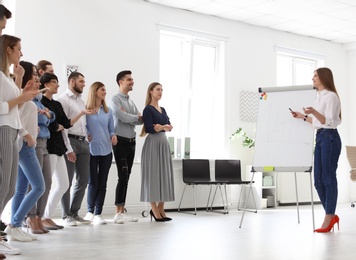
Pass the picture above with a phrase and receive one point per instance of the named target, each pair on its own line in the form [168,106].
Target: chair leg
[213,199]
[181,198]
[195,201]
[253,197]
[241,192]
[223,198]
[226,206]
[207,204]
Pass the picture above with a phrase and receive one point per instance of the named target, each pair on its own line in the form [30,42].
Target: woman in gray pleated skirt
[157,186]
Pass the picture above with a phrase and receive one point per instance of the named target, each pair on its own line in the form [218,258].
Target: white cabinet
[264,189]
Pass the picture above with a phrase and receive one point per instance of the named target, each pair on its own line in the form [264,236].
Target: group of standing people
[44,139]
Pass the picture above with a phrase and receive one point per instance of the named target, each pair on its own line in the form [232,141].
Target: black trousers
[124,153]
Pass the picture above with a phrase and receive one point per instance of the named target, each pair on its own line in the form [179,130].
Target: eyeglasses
[54,81]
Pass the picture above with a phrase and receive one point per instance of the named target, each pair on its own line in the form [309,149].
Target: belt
[78,137]
[129,140]
[325,129]
[42,138]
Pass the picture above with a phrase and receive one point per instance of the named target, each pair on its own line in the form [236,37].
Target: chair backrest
[351,157]
[228,170]
[196,170]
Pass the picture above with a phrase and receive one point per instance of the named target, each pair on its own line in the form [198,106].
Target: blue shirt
[43,120]
[100,126]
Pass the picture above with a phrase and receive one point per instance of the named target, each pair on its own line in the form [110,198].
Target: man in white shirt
[78,154]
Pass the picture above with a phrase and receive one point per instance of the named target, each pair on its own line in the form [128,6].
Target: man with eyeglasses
[78,154]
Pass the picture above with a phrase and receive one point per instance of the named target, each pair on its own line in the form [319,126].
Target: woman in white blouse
[10,99]
[325,117]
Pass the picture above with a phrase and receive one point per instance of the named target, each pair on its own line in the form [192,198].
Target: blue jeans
[30,172]
[99,171]
[326,156]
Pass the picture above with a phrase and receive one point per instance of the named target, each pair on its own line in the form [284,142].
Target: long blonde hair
[92,96]
[6,41]
[148,101]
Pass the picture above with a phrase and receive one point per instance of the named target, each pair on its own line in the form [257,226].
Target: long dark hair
[327,80]
[29,70]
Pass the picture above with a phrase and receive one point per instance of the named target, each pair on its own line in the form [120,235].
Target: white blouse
[327,104]
[8,91]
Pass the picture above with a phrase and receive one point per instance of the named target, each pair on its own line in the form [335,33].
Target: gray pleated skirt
[156,169]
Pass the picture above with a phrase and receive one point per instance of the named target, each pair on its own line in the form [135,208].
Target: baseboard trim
[300,203]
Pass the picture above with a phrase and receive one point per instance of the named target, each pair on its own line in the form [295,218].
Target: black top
[55,144]
[152,116]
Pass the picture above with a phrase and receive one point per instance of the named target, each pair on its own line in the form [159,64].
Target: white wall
[104,37]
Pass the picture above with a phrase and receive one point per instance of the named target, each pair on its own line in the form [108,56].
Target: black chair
[228,172]
[195,172]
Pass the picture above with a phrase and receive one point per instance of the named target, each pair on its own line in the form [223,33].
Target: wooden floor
[268,234]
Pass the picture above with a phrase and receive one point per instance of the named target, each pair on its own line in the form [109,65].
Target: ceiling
[331,20]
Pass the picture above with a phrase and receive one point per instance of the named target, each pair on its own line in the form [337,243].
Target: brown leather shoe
[40,225]
[51,222]
[47,225]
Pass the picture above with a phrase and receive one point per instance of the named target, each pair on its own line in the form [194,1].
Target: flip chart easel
[283,143]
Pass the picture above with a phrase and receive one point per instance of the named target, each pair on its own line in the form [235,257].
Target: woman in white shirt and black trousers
[325,117]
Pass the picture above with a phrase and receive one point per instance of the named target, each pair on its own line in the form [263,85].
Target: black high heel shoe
[166,218]
[156,219]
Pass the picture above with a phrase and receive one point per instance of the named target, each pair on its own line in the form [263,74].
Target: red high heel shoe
[334,220]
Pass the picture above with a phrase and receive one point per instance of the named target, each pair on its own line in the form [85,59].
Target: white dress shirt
[72,105]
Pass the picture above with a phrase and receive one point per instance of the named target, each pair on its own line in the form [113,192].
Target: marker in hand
[294,114]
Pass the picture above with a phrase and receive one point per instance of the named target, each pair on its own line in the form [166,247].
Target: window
[296,67]
[191,73]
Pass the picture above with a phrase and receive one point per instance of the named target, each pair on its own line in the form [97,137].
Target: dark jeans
[326,156]
[123,150]
[99,171]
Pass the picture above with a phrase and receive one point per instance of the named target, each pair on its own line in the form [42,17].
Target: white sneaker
[81,221]
[7,249]
[33,237]
[69,221]
[98,220]
[89,216]
[128,218]
[17,233]
[118,218]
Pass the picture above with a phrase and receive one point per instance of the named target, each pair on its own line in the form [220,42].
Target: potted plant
[246,141]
